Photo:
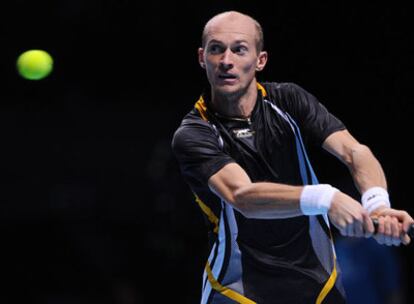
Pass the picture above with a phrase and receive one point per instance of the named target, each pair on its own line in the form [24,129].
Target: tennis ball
[34,64]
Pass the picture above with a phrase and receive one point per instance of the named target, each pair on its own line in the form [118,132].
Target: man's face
[230,56]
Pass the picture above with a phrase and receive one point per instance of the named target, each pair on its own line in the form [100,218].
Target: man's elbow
[238,198]
[358,152]
[241,202]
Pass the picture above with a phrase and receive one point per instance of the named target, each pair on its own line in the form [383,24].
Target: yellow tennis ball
[34,64]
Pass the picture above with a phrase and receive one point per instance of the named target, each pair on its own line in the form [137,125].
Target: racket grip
[410,230]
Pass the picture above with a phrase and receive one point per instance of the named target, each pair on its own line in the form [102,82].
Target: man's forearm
[369,178]
[269,200]
[272,200]
[365,169]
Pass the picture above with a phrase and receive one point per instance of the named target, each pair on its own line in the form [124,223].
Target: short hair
[259,31]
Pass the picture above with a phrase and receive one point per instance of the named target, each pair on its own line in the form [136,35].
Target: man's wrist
[316,199]
[374,198]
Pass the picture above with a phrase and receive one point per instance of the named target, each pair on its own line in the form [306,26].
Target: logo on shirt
[243,133]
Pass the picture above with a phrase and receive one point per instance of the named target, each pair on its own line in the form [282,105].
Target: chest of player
[265,148]
[260,134]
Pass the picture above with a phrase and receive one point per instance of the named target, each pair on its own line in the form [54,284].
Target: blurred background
[93,208]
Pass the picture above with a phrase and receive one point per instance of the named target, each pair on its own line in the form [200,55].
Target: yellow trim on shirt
[210,215]
[262,89]
[328,285]
[200,105]
[202,108]
[225,291]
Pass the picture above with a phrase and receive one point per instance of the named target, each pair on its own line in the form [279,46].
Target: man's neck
[237,105]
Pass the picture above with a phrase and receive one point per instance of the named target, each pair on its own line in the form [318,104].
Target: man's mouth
[227,76]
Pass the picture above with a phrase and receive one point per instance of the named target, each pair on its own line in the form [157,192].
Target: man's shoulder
[277,88]
[191,120]
[192,126]
[285,94]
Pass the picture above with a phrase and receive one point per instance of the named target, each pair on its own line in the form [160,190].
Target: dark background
[92,205]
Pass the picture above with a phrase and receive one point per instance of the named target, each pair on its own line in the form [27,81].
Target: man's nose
[227,59]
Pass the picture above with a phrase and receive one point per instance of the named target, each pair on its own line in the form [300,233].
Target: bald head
[233,21]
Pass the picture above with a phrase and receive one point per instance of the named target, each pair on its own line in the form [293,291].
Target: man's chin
[228,90]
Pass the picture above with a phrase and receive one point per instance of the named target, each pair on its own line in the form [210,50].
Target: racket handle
[410,230]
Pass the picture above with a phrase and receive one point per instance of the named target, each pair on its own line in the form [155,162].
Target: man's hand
[392,226]
[350,217]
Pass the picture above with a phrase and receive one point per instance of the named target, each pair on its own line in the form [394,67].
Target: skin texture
[231,59]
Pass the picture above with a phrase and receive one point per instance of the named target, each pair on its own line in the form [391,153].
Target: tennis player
[242,151]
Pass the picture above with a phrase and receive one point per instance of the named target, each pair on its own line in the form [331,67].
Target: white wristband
[375,197]
[316,199]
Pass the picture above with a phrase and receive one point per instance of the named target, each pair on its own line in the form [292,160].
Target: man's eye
[215,49]
[241,49]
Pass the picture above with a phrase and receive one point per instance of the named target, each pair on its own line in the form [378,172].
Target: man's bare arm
[367,174]
[273,200]
[365,169]
[255,200]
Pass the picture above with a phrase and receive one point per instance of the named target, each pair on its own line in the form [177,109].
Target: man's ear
[261,61]
[201,58]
